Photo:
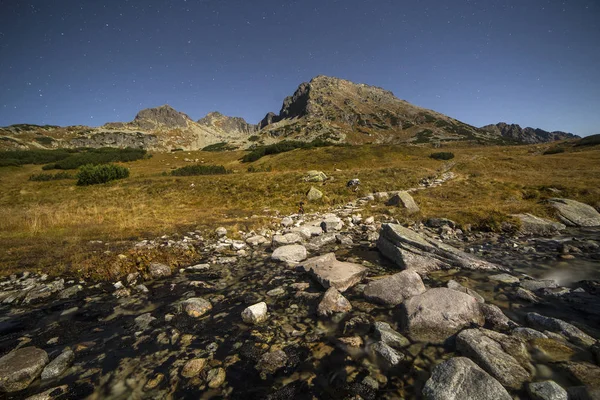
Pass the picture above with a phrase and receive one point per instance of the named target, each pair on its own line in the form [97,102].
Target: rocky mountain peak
[164,116]
[527,135]
[229,124]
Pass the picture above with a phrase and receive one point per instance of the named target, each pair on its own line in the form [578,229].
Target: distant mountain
[325,108]
[526,135]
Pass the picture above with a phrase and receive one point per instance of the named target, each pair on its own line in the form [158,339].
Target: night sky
[532,62]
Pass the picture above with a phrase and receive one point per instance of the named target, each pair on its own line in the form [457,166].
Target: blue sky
[531,62]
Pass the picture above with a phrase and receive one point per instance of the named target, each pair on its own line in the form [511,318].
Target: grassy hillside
[48,225]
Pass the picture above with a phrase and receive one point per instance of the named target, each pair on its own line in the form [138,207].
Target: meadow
[54,225]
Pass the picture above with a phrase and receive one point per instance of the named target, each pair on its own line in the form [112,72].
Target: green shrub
[103,155]
[589,140]
[282,147]
[221,146]
[22,157]
[554,150]
[198,169]
[45,140]
[50,177]
[442,155]
[254,138]
[94,174]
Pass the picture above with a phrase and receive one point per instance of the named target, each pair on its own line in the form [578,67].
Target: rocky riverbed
[327,306]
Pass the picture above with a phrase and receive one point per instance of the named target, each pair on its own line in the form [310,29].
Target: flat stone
[574,213]
[333,302]
[21,367]
[504,278]
[535,284]
[532,225]
[287,221]
[331,224]
[405,200]
[58,365]
[283,240]
[255,314]
[385,333]
[256,240]
[386,354]
[290,253]
[461,379]
[439,313]
[330,272]
[394,289]
[548,390]
[528,334]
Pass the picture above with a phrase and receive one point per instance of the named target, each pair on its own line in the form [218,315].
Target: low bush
[443,155]
[22,157]
[95,174]
[282,147]
[554,150]
[191,170]
[50,177]
[591,140]
[221,146]
[98,156]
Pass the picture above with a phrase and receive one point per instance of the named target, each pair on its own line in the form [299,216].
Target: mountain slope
[527,135]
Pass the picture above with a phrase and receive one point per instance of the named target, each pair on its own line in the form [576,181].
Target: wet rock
[333,302]
[314,194]
[552,350]
[405,200]
[548,390]
[504,278]
[358,325]
[283,240]
[574,213]
[386,355]
[410,250]
[461,379]
[385,333]
[193,367]
[290,253]
[269,363]
[221,231]
[330,272]
[439,313]
[256,240]
[332,223]
[534,284]
[495,318]
[21,367]
[255,314]
[216,377]
[143,321]
[154,382]
[454,285]
[58,365]
[394,289]
[352,341]
[196,307]
[158,270]
[532,225]
[526,295]
[489,355]
[569,331]
[528,334]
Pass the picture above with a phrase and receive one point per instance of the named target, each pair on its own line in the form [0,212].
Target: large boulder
[290,253]
[547,390]
[574,213]
[21,367]
[394,289]
[461,379]
[439,313]
[330,272]
[314,194]
[490,355]
[532,225]
[410,250]
[405,200]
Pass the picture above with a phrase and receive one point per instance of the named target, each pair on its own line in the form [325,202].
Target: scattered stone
[323,240]
[534,284]
[330,272]
[489,355]
[216,377]
[50,394]
[193,367]
[440,222]
[315,176]
[385,333]
[528,334]
[287,221]
[333,302]
[439,313]
[158,270]
[255,314]
[256,240]
[314,194]
[394,289]
[574,213]
[21,367]
[526,295]
[461,379]
[283,240]
[70,292]
[196,307]
[386,355]
[370,221]
[58,365]
[221,231]
[532,225]
[154,382]
[331,224]
[569,331]
[405,200]
[278,291]
[143,321]
[290,253]
[269,363]
[504,278]
[548,390]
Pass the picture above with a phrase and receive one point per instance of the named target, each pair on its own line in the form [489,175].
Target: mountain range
[325,108]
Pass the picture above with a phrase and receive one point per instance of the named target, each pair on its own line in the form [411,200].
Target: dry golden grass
[48,225]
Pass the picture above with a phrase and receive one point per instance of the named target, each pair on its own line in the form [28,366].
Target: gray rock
[196,307]
[526,295]
[495,318]
[385,333]
[143,321]
[287,221]
[158,270]
[490,356]
[283,240]
[569,331]
[304,232]
[548,390]
[70,292]
[528,334]
[394,289]
[574,213]
[43,291]
[255,314]
[386,355]
[21,367]
[53,393]
[409,250]
[454,285]
[332,224]
[333,302]
[440,222]
[315,230]
[461,379]
[58,365]
[405,200]
[534,284]
[315,176]
[532,225]
[330,272]
[290,253]
[439,313]
[256,240]
[504,278]
[323,240]
[221,231]
[314,194]
[271,362]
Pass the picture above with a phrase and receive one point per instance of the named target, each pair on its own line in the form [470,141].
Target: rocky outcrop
[526,135]
[574,213]
[136,140]
[410,250]
[161,117]
[532,225]
[228,124]
[461,379]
